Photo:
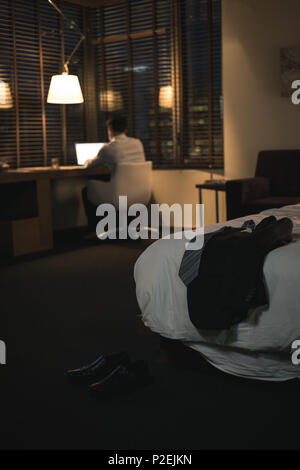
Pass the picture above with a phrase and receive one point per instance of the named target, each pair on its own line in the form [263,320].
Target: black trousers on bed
[230,279]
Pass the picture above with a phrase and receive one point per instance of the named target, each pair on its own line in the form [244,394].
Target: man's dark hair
[117,122]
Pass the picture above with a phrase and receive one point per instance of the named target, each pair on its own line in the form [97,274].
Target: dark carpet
[60,311]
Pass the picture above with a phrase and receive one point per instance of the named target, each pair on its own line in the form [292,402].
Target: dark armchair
[276,184]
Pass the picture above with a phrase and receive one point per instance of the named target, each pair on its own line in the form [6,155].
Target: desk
[215,186]
[40,228]
[35,173]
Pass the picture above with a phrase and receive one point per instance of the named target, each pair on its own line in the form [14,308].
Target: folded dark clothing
[230,279]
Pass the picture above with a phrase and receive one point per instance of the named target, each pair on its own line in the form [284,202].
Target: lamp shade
[6,101]
[65,89]
[166,96]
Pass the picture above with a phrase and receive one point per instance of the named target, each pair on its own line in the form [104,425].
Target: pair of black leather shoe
[271,233]
[112,375]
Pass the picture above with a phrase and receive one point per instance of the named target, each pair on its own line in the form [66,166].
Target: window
[160,63]
[33,42]
[202,86]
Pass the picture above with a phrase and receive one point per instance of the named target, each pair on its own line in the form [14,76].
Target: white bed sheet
[260,346]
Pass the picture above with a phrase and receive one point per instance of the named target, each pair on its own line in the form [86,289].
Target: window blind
[9,138]
[133,68]
[34,40]
[202,84]
[169,83]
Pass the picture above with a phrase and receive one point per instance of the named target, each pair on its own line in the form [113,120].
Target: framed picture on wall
[290,68]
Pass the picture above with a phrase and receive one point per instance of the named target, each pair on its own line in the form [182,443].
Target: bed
[259,347]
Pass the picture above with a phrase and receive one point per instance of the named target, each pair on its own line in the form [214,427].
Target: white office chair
[133,180]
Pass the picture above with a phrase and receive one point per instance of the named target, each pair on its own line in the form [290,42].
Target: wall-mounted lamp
[6,100]
[65,88]
[166,96]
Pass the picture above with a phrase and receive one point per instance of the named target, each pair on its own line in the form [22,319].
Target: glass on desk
[55,162]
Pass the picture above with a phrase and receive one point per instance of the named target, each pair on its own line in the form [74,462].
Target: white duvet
[259,347]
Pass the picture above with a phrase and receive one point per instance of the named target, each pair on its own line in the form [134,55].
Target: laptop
[86,151]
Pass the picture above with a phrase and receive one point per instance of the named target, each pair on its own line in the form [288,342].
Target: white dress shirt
[121,149]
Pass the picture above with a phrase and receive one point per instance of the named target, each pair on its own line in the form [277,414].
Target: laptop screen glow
[85,151]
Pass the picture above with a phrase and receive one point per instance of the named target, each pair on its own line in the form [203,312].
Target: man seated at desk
[120,149]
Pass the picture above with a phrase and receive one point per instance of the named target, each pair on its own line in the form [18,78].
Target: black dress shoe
[99,369]
[266,222]
[273,234]
[123,380]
